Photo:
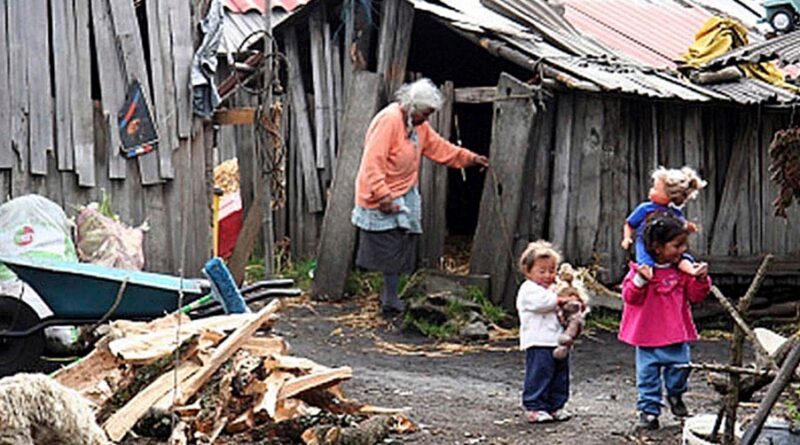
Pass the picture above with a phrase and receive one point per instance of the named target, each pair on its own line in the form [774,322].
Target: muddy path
[475,398]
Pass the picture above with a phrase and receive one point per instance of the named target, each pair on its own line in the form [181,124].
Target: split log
[225,351]
[724,368]
[319,379]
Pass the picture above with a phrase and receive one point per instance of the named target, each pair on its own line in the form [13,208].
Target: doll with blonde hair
[671,189]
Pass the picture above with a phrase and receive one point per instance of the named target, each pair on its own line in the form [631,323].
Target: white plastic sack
[34,227]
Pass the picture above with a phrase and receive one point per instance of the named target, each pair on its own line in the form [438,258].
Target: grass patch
[361,283]
[603,320]
[444,331]
[493,313]
[300,271]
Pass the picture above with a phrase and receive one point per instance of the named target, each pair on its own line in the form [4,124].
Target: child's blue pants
[546,380]
[650,362]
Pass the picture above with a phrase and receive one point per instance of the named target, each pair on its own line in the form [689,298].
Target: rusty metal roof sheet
[652,32]
[245,6]
[785,48]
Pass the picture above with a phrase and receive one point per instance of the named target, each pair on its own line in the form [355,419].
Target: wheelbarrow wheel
[18,353]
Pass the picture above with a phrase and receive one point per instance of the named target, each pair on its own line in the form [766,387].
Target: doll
[572,309]
[670,191]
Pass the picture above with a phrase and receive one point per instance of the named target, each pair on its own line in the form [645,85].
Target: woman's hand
[386,205]
[481,161]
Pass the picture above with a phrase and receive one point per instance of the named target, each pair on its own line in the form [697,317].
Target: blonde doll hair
[537,250]
[679,182]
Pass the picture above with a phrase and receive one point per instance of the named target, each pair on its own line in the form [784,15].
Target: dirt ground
[475,398]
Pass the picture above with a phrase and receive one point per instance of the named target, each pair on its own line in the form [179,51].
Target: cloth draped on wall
[205,97]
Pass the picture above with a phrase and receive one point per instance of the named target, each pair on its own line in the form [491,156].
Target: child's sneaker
[647,421]
[561,415]
[677,406]
[538,416]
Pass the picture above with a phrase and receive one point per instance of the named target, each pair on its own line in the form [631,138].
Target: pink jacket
[658,313]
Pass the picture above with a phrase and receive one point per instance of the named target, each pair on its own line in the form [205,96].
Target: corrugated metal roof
[652,32]
[247,18]
[753,91]
[245,6]
[785,48]
[601,69]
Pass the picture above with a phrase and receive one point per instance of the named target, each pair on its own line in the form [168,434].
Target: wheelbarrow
[82,293]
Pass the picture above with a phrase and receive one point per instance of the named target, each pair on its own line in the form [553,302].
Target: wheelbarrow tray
[88,291]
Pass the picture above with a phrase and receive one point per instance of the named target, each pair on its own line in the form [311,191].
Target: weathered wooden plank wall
[60,142]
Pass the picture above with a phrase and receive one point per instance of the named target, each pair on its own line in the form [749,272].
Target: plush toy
[573,305]
[670,191]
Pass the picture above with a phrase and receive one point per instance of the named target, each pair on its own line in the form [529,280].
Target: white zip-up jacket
[538,317]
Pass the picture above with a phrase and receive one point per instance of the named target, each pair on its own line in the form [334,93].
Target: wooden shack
[572,139]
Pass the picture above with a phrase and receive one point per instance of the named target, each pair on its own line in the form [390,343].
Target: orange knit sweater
[390,162]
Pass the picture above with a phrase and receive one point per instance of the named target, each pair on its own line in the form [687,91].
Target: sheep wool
[37,410]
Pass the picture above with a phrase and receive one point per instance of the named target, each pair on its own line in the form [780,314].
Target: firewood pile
[785,168]
[195,381]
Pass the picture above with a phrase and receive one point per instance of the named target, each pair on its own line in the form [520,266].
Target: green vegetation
[444,331]
[361,283]
[493,313]
[602,319]
[300,271]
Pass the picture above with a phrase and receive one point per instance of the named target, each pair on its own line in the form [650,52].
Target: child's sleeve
[536,299]
[697,290]
[638,215]
[634,288]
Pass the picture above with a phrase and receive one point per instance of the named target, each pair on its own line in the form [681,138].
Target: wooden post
[338,239]
[356,42]
[775,389]
[561,178]
[267,148]
[492,249]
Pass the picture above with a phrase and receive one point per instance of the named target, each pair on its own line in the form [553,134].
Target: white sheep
[35,409]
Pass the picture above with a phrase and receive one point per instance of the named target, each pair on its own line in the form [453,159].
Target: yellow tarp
[720,35]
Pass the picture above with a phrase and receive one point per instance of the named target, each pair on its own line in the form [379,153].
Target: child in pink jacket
[657,318]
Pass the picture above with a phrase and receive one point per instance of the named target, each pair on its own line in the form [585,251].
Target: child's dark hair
[661,228]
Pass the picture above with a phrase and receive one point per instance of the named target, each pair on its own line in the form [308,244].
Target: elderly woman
[387,209]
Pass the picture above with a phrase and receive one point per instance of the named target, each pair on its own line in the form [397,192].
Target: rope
[105,317]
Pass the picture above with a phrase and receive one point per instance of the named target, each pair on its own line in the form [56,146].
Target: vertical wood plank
[613,193]
[696,210]
[357,41]
[500,201]
[180,19]
[41,104]
[63,22]
[6,154]
[753,208]
[320,85]
[723,236]
[542,160]
[588,198]
[338,93]
[561,168]
[670,135]
[750,194]
[433,189]
[112,83]
[330,89]
[82,106]
[338,237]
[17,75]
[129,43]
[397,19]
[302,127]
[571,246]
[162,88]
[775,228]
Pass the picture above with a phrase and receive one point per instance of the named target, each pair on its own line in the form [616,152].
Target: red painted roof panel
[654,32]
[244,6]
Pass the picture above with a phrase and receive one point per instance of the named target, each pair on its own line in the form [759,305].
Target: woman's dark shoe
[647,421]
[677,406]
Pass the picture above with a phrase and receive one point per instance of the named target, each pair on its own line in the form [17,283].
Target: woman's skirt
[389,251]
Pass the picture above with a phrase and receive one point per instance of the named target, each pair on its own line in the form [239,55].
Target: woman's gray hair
[419,95]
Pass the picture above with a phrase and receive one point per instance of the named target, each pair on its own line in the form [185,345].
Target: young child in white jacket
[546,387]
